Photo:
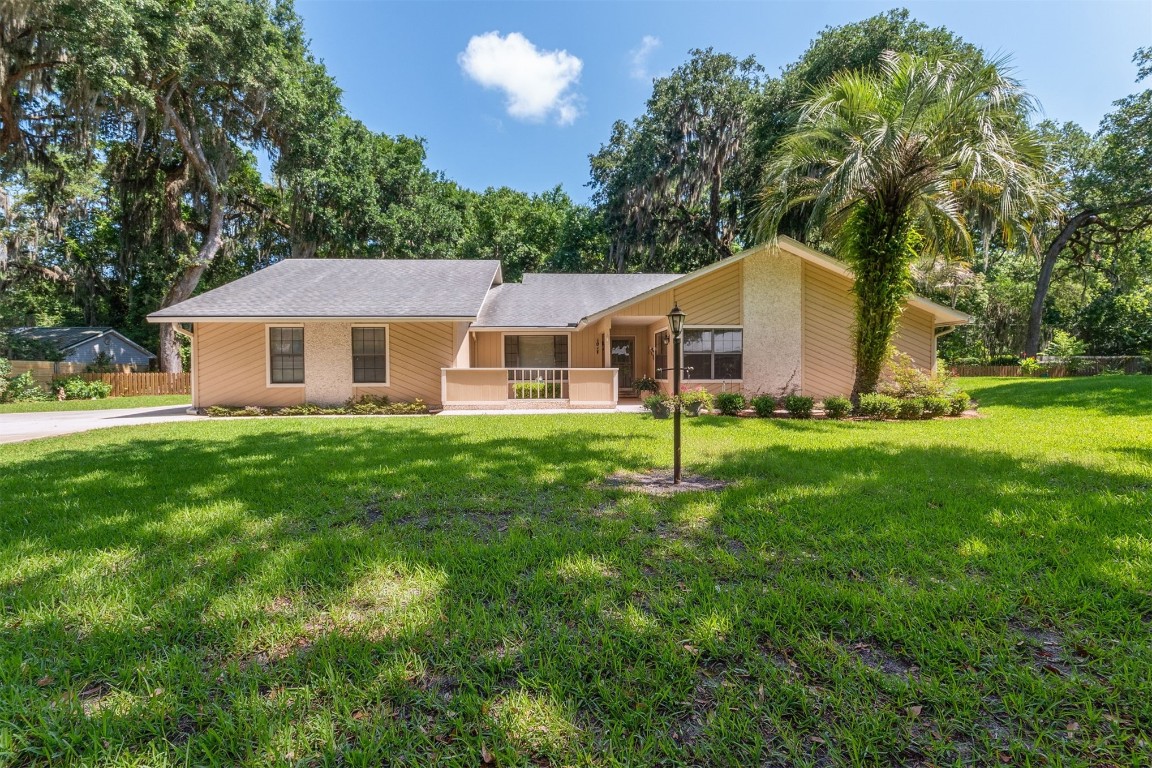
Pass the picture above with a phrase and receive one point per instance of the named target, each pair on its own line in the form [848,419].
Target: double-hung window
[714,353]
[370,355]
[286,355]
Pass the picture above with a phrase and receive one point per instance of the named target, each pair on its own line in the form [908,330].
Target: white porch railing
[502,387]
[538,383]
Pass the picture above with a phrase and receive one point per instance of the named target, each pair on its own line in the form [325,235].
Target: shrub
[76,388]
[24,389]
[696,400]
[731,403]
[878,406]
[910,408]
[799,406]
[1065,348]
[1004,360]
[958,403]
[902,379]
[101,363]
[5,374]
[367,405]
[1030,367]
[837,407]
[764,405]
[536,390]
[968,361]
[935,407]
[659,405]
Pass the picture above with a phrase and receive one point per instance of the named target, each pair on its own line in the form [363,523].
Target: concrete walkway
[15,427]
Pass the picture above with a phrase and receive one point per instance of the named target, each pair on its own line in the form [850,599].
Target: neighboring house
[769,319]
[83,344]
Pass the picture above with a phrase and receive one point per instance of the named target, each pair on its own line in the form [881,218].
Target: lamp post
[676,326]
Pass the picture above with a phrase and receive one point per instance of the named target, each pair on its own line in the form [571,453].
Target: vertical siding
[416,352]
[583,350]
[828,318]
[711,299]
[230,368]
[488,350]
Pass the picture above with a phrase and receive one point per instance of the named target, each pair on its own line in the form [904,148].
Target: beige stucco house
[452,333]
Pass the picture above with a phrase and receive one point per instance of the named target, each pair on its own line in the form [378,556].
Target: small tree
[896,162]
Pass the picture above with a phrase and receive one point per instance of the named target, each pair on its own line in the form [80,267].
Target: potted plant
[645,384]
[660,405]
[696,400]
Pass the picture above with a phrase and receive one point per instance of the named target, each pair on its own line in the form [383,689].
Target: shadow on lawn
[425,571]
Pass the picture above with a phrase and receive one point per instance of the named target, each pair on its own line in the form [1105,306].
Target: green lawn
[455,590]
[140,401]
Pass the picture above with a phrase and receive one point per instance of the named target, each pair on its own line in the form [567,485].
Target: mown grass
[138,401]
[451,591]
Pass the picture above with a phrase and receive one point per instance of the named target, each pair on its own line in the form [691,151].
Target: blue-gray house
[83,344]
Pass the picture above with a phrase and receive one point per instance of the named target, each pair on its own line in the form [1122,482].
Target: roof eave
[154,318]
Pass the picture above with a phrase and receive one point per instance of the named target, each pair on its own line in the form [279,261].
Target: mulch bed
[658,482]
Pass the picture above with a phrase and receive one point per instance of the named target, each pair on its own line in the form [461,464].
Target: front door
[623,359]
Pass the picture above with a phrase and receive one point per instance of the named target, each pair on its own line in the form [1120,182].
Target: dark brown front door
[624,359]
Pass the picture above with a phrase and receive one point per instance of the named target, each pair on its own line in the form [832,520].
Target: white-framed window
[714,354]
[370,354]
[286,355]
[536,351]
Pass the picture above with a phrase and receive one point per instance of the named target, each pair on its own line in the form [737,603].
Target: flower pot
[694,409]
[661,412]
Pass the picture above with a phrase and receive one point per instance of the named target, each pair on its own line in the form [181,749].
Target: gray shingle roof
[561,300]
[375,288]
[62,337]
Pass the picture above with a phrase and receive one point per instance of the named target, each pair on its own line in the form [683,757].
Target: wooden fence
[124,384]
[1087,366]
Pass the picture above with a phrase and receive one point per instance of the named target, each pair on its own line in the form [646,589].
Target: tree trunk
[1044,280]
[881,255]
[188,279]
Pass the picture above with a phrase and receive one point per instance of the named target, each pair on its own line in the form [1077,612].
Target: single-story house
[453,333]
[82,344]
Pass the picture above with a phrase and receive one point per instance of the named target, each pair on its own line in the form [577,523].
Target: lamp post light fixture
[676,325]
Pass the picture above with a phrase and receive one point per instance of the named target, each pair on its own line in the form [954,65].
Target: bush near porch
[457,590]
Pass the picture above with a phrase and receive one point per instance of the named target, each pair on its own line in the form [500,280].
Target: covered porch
[593,367]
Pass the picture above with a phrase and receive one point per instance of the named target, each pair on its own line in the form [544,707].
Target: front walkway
[15,427]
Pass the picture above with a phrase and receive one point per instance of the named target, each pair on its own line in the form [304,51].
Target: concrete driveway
[15,427]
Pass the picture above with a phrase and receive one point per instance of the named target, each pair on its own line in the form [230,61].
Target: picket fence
[124,383]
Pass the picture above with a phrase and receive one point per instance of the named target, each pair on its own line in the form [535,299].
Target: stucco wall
[327,363]
[772,319]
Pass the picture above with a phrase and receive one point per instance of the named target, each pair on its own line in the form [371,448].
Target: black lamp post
[676,326]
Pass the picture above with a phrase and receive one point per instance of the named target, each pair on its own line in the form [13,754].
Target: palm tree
[901,161]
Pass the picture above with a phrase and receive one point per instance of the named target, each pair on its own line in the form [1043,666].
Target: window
[286,350]
[370,355]
[716,353]
[536,351]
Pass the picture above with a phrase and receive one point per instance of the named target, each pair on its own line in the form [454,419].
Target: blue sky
[525,107]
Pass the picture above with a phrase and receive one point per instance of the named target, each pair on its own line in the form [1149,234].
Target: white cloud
[640,56]
[536,83]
